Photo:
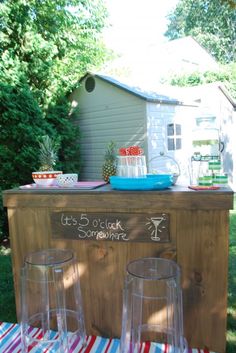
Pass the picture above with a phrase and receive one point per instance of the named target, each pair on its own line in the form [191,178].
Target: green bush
[21,124]
[7,295]
[45,49]
[59,117]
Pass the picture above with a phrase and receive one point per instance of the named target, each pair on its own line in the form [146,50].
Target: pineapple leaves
[48,152]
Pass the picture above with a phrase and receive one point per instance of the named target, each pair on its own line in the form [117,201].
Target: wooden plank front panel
[199,242]
[29,231]
[202,253]
[102,266]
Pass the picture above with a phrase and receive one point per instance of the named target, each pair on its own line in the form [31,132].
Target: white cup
[67,180]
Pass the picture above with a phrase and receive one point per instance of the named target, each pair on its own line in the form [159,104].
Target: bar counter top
[109,228]
[176,197]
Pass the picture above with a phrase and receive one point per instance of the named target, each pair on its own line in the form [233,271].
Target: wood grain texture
[203,256]
[175,197]
[198,242]
[102,273]
[29,231]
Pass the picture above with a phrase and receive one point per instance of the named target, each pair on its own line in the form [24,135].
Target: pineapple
[109,166]
[48,153]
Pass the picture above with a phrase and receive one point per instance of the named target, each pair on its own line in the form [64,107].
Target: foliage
[46,46]
[110,153]
[226,74]
[212,23]
[49,44]
[63,121]
[48,154]
[21,124]
[7,298]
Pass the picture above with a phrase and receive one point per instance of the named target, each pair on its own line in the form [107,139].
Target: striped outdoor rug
[10,343]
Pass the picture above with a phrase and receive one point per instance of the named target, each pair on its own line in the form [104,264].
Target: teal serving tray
[150,182]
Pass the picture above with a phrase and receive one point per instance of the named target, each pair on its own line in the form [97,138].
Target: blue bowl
[150,182]
[163,177]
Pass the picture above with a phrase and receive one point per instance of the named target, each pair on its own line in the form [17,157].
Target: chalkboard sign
[110,226]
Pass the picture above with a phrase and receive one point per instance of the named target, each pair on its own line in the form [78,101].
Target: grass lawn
[231,322]
[7,303]
[7,298]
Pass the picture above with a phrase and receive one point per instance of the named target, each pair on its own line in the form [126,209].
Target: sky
[136,23]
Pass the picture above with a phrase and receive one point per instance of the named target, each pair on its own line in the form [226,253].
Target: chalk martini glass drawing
[154,226]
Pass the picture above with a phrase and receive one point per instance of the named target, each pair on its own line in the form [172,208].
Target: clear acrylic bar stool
[152,306]
[51,301]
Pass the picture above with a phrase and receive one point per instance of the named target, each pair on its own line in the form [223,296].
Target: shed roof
[162,60]
[162,94]
[227,95]
[196,92]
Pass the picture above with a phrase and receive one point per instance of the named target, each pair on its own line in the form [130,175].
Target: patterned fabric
[10,343]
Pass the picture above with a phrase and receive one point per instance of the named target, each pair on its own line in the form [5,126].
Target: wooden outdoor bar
[108,228]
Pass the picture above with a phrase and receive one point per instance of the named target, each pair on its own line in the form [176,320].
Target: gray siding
[108,113]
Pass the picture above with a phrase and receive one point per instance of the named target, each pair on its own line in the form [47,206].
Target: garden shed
[108,109]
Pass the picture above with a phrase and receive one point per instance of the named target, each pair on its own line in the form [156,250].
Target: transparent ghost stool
[152,306]
[51,301]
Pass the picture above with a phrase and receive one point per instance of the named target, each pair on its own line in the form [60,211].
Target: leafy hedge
[46,46]
[59,117]
[22,123]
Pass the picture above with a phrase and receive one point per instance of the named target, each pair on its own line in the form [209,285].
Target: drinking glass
[131,166]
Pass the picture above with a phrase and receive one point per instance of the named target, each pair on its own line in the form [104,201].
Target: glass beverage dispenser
[206,142]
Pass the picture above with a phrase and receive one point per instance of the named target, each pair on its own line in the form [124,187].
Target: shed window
[90,84]
[174,140]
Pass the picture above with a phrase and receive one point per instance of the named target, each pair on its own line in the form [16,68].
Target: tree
[49,44]
[21,124]
[211,22]
[226,74]
[46,45]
